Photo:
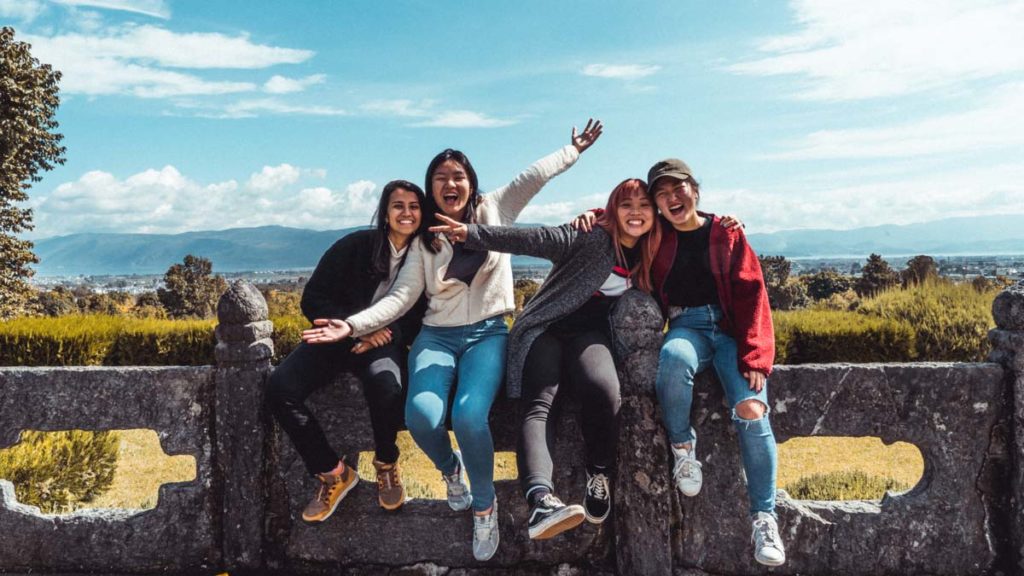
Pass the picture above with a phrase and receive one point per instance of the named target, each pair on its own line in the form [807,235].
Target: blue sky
[192,115]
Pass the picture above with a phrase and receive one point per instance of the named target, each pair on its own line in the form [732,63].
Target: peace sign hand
[590,134]
[455,231]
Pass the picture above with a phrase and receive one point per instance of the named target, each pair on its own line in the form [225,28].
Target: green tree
[784,293]
[825,283]
[919,270]
[875,277]
[523,290]
[56,302]
[191,289]
[28,146]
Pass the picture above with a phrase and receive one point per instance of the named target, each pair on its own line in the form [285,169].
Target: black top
[343,284]
[690,282]
[593,314]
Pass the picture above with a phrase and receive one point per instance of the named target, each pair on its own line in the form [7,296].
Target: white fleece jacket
[451,302]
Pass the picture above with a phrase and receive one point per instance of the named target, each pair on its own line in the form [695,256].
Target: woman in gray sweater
[565,330]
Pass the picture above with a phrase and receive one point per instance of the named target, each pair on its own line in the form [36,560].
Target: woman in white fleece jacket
[464,333]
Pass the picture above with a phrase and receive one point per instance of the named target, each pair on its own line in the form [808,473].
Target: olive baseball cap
[673,167]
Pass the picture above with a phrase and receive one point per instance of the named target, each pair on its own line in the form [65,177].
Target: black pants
[311,366]
[585,361]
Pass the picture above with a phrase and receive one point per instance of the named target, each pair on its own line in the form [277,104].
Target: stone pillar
[1008,349]
[243,357]
[643,489]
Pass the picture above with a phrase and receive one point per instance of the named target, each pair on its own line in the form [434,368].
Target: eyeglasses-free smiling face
[404,213]
[450,186]
[676,199]
[635,217]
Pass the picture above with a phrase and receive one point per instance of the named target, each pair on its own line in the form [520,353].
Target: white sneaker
[768,549]
[485,534]
[686,472]
[459,497]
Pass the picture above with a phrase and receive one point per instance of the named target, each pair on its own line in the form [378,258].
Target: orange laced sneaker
[332,489]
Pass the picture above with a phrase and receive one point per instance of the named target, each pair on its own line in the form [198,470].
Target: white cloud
[282,85]
[464,119]
[620,71]
[857,49]
[996,121]
[274,178]
[253,108]
[166,201]
[968,192]
[426,109]
[154,8]
[24,10]
[152,44]
[399,107]
[140,61]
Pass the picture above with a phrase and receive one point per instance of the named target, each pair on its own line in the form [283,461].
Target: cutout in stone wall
[845,468]
[420,477]
[64,471]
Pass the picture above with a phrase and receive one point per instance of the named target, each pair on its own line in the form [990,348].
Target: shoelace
[598,486]
[766,532]
[484,525]
[388,477]
[684,467]
[551,502]
[454,481]
[324,494]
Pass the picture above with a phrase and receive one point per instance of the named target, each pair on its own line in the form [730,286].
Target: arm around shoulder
[548,242]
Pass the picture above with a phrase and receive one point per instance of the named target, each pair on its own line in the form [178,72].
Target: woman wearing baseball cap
[709,284]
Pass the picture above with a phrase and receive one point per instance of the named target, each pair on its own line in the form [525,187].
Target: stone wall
[241,512]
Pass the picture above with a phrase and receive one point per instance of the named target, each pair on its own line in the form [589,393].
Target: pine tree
[876,276]
[28,146]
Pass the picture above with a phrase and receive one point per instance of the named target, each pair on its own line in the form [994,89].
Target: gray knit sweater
[582,262]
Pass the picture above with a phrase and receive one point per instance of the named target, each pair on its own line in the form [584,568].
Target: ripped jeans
[693,342]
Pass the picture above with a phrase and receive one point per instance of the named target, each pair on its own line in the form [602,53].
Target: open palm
[591,132]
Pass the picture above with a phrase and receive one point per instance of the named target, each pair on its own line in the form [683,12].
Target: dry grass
[421,479]
[800,457]
[142,466]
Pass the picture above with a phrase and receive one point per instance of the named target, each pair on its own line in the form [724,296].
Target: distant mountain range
[281,248]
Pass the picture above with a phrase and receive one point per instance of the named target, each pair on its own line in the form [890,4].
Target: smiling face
[404,215]
[451,188]
[635,217]
[677,201]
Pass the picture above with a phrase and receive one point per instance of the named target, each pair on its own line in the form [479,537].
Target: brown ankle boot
[390,491]
[330,492]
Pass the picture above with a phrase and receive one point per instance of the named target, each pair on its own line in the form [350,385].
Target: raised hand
[455,231]
[326,331]
[584,222]
[590,134]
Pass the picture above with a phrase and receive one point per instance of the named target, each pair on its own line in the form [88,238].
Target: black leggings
[311,366]
[585,360]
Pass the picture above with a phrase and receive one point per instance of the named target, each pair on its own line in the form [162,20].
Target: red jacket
[741,292]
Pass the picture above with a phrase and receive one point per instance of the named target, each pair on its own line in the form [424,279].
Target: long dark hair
[431,209]
[380,265]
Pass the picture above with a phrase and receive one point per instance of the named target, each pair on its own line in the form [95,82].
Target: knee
[751,409]
[469,422]
[678,359]
[421,417]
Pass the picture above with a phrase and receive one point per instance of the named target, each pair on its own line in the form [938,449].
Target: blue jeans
[474,355]
[694,342]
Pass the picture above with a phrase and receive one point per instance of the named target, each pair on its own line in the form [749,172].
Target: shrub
[56,470]
[845,485]
[951,320]
[287,335]
[91,340]
[803,336]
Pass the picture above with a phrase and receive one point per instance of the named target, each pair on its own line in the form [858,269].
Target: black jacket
[343,284]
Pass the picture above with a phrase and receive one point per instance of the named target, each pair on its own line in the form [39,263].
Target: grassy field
[143,466]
